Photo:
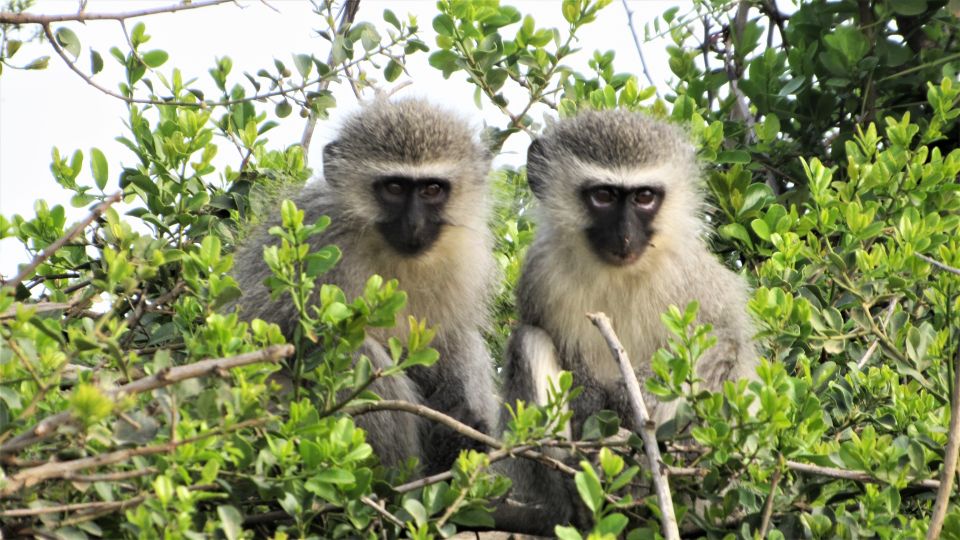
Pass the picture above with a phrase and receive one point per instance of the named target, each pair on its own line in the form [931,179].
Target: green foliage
[831,163]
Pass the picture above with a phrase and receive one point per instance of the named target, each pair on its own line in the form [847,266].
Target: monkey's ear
[536,168]
[331,154]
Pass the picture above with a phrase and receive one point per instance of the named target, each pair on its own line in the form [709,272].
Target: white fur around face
[448,285]
[575,281]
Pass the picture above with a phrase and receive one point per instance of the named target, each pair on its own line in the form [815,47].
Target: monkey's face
[620,220]
[411,211]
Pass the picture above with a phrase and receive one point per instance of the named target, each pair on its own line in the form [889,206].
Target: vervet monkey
[405,186]
[621,231]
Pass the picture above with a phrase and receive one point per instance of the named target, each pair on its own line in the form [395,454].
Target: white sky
[54,107]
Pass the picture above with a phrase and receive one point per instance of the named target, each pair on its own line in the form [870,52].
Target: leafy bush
[134,404]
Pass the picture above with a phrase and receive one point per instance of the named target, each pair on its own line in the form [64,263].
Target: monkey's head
[618,182]
[408,169]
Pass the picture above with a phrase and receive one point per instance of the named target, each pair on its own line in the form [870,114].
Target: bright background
[54,107]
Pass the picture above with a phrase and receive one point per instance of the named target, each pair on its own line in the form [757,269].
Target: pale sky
[54,107]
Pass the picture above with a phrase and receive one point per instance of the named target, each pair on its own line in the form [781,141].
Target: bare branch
[641,418]
[60,242]
[873,346]
[938,264]
[348,11]
[855,476]
[456,425]
[33,18]
[949,458]
[768,506]
[60,469]
[636,42]
[48,426]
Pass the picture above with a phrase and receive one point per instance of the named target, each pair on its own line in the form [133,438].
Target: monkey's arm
[394,435]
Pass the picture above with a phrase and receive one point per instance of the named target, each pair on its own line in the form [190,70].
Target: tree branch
[60,242]
[61,469]
[347,14]
[165,377]
[949,458]
[32,18]
[636,43]
[938,264]
[641,418]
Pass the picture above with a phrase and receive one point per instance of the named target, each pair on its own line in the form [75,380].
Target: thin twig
[636,42]
[348,11]
[949,458]
[873,346]
[938,264]
[456,425]
[165,377]
[33,18]
[59,242]
[768,506]
[381,510]
[60,469]
[855,476]
[641,418]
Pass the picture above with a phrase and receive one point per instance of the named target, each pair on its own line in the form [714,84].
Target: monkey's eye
[645,198]
[394,187]
[431,190]
[602,197]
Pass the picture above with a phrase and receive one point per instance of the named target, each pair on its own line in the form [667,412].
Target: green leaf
[445,61]
[155,58]
[391,18]
[98,165]
[39,63]
[304,64]
[334,475]
[96,62]
[443,25]
[231,522]
[69,41]
[733,156]
[393,70]
[567,533]
[908,7]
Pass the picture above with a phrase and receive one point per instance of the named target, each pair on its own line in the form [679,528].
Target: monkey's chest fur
[634,298]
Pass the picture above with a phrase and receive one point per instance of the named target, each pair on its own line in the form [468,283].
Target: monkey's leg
[394,435]
[541,497]
[460,385]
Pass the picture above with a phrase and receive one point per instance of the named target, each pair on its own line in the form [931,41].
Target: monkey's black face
[621,220]
[412,211]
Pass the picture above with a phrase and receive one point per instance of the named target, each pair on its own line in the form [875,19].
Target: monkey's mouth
[620,259]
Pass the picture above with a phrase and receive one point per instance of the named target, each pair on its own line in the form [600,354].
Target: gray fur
[562,279]
[448,285]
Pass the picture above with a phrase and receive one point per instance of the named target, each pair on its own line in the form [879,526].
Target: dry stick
[165,377]
[76,507]
[768,506]
[61,469]
[938,264]
[641,418]
[456,425]
[636,42]
[60,242]
[33,18]
[949,458]
[855,476]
